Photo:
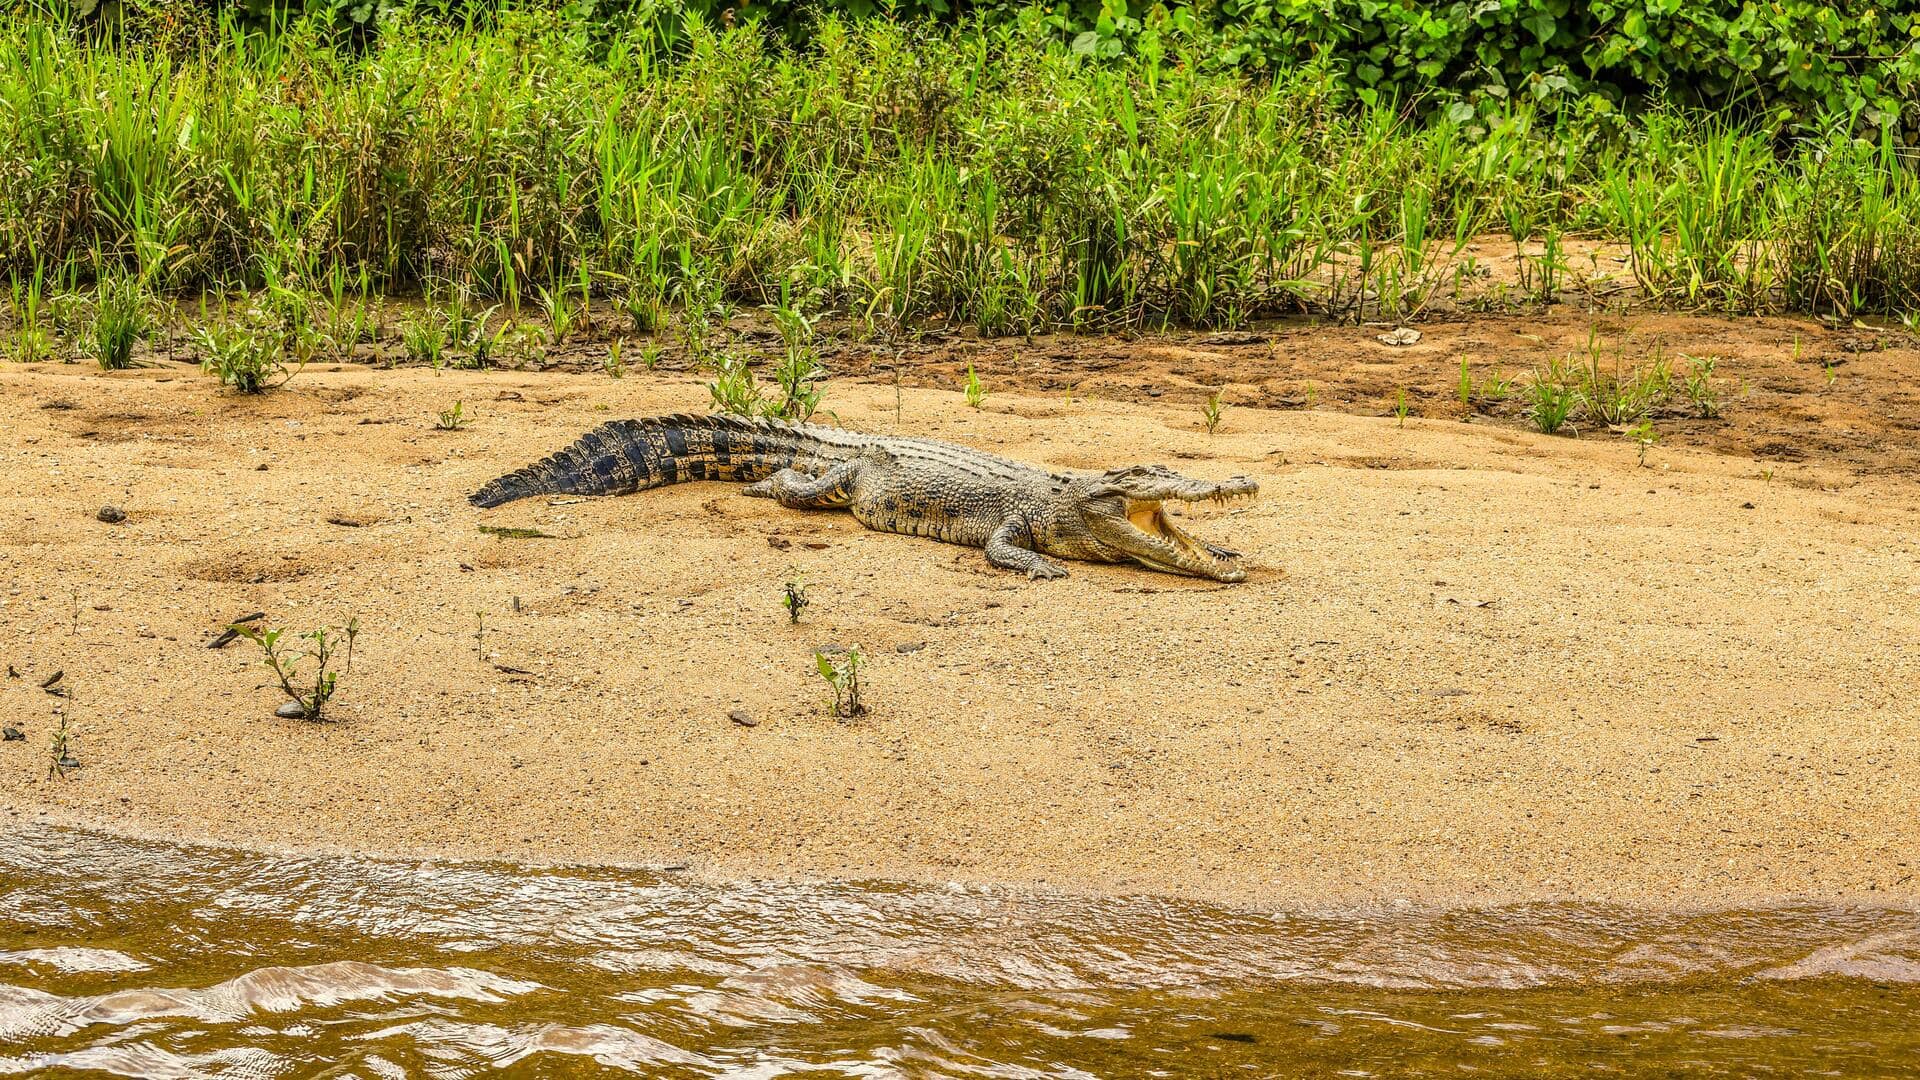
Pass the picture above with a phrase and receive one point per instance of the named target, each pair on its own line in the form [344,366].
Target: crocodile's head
[1125,515]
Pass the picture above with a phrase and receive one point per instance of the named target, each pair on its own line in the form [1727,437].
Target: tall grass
[979,175]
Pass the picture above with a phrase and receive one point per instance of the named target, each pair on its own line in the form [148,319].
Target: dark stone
[741,718]
[112,515]
[292,710]
[909,646]
[13,734]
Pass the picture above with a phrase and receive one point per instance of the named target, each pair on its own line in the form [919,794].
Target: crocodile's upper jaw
[1141,530]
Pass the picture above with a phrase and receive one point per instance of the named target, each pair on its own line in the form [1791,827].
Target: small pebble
[1746,506]
[13,734]
[112,515]
[909,646]
[741,718]
[292,710]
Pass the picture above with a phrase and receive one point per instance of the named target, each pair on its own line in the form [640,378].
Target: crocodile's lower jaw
[1201,559]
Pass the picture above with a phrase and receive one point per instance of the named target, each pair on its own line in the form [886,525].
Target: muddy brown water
[135,958]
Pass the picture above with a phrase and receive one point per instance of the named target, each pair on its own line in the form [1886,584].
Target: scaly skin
[1018,513]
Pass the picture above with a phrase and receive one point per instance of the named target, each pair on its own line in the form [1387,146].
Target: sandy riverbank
[1472,664]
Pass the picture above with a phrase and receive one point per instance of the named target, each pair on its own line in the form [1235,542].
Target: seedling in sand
[794,598]
[975,392]
[60,759]
[1209,413]
[308,697]
[452,419]
[1644,437]
[843,674]
[1400,408]
[613,365]
[1699,386]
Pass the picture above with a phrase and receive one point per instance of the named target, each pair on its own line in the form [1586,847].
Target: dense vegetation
[1799,58]
[996,172]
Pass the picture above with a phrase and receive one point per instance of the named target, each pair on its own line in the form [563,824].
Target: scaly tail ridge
[625,456]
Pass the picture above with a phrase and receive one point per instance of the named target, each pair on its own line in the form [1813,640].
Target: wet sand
[1472,664]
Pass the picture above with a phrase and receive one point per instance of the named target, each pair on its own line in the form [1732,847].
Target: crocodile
[1018,513]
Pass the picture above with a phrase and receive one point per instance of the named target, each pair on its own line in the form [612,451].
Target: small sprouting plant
[1644,437]
[975,392]
[244,357]
[613,365]
[426,341]
[733,388]
[843,674]
[1210,413]
[453,419]
[794,597]
[1699,386]
[1400,407]
[1464,389]
[650,356]
[310,697]
[120,319]
[1833,376]
[1496,387]
[1552,400]
[60,759]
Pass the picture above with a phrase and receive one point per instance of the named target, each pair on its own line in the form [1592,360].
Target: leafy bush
[242,355]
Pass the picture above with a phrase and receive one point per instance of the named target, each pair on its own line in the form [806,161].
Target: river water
[133,958]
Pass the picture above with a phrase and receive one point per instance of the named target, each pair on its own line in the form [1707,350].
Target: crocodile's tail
[633,455]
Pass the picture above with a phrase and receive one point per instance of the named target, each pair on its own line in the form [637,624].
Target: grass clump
[426,341]
[1551,399]
[453,419]
[121,317]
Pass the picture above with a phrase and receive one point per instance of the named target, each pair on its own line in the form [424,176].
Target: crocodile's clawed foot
[1045,571]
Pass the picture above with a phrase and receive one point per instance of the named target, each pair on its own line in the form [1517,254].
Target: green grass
[120,319]
[894,175]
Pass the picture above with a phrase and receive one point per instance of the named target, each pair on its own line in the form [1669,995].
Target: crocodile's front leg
[833,490]
[1007,549]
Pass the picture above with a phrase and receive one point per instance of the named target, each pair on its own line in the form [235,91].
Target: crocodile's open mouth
[1157,542]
